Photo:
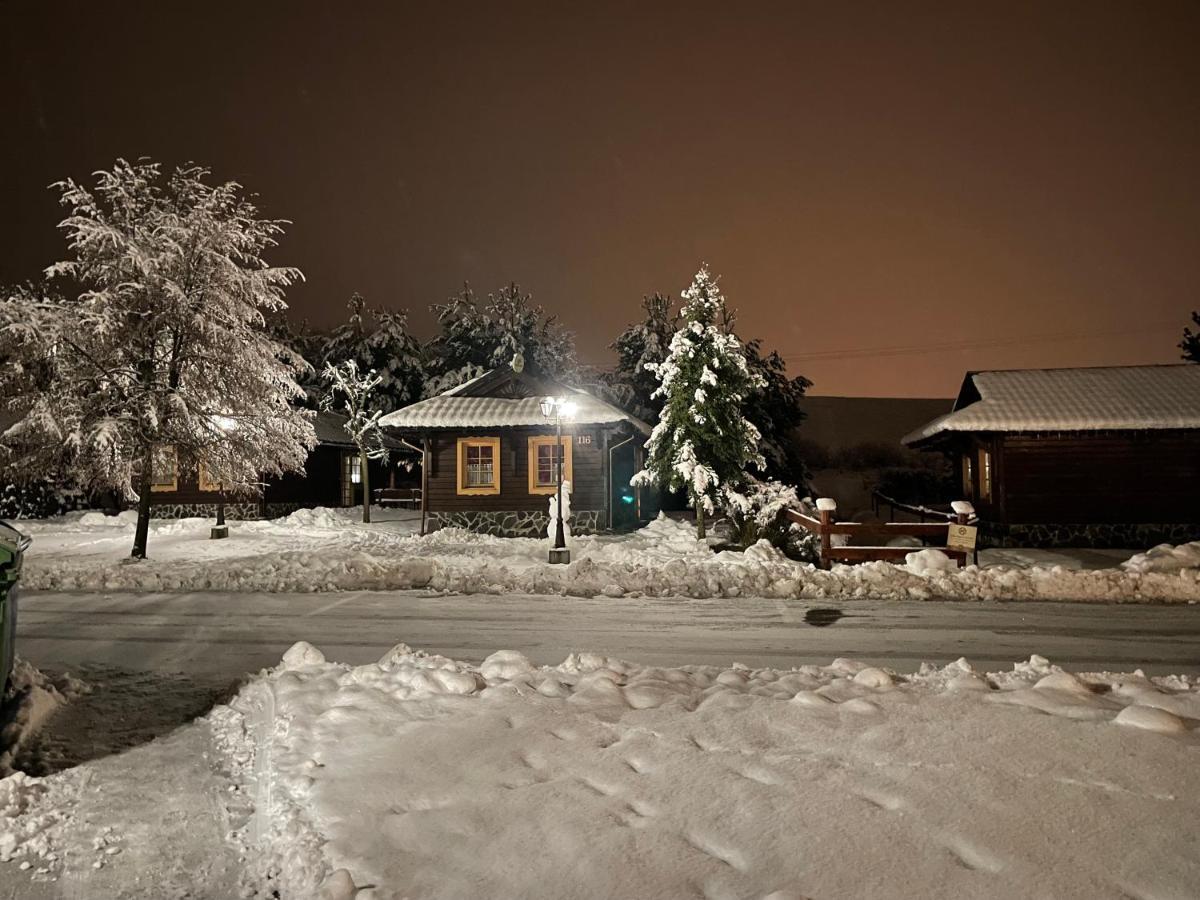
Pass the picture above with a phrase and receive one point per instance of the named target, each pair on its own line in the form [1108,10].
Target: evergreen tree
[632,384]
[160,342]
[703,441]
[475,338]
[1190,345]
[351,392]
[775,411]
[303,349]
[386,346]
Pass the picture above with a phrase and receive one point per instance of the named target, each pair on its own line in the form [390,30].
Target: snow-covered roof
[331,432]
[1113,398]
[490,401]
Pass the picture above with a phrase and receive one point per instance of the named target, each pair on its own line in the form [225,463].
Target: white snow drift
[325,550]
[422,777]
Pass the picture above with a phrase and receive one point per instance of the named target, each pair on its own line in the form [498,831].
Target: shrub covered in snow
[759,512]
[37,500]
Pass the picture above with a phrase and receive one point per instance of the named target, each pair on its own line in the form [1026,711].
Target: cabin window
[985,474]
[164,468]
[543,463]
[351,475]
[968,477]
[207,482]
[479,465]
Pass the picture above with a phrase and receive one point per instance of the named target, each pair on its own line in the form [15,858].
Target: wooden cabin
[1088,457]
[332,477]
[489,463]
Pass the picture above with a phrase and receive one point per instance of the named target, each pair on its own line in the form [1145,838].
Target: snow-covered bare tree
[477,337]
[703,441]
[387,347]
[351,392]
[158,345]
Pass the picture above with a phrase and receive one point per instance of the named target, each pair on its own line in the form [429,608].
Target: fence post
[962,516]
[826,506]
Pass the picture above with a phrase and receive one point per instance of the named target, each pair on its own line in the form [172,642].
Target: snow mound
[1165,558]
[602,777]
[929,562]
[328,550]
[1151,719]
[300,654]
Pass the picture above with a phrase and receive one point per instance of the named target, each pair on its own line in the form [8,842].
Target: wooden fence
[825,528]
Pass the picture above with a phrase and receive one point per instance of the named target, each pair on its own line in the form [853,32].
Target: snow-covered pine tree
[475,338]
[702,442]
[1190,345]
[351,392]
[160,341]
[632,384]
[387,347]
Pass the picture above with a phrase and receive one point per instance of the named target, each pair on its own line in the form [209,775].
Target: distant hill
[836,423]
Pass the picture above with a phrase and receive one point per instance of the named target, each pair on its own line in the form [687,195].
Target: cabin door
[622,496]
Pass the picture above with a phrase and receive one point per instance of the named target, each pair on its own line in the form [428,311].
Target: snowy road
[223,636]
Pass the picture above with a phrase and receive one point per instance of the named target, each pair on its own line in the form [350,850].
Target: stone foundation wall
[204,510]
[1119,536]
[514,523]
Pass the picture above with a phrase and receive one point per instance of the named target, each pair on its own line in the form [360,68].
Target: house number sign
[583,439]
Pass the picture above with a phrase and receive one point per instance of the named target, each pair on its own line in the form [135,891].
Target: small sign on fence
[961,537]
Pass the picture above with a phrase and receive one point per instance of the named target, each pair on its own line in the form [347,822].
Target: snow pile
[421,776]
[1165,558]
[33,697]
[929,561]
[328,550]
[35,816]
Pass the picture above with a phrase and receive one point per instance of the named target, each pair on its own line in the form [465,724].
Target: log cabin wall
[589,490]
[1098,477]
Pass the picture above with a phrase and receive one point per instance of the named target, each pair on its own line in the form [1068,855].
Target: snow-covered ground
[420,776]
[328,550]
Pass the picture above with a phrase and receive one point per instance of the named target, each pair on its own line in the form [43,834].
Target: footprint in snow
[718,851]
[971,857]
[761,774]
[880,800]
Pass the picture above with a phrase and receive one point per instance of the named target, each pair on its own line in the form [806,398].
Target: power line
[923,349]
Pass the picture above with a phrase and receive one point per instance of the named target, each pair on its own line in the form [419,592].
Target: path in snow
[228,635]
[155,662]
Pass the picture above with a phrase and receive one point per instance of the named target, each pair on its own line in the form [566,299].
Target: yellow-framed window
[164,468]
[968,477]
[543,463]
[206,480]
[985,474]
[478,466]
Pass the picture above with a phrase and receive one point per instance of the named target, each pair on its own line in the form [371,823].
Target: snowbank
[421,776]
[1165,558]
[327,550]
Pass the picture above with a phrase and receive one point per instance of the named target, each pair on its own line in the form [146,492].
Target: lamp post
[221,530]
[560,408]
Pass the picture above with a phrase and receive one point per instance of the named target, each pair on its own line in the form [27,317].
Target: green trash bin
[12,548]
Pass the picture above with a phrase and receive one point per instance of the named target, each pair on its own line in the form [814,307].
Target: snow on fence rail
[824,526]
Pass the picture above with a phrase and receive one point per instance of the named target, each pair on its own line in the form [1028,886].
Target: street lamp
[559,408]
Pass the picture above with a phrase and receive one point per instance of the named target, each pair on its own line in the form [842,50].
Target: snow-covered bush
[37,500]
[760,511]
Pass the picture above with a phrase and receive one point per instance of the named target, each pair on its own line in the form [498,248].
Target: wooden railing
[879,500]
[825,527]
